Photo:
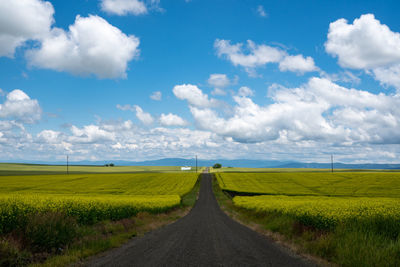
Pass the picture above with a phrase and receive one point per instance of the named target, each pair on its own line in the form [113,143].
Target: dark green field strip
[8,169]
[94,184]
[371,184]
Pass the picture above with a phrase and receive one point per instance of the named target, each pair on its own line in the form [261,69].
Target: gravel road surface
[204,237]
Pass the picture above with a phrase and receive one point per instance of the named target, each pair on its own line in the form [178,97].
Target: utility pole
[196,163]
[67,165]
[332,163]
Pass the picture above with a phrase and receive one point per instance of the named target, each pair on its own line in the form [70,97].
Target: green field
[90,197]
[33,169]
[101,183]
[350,218]
[371,184]
[50,208]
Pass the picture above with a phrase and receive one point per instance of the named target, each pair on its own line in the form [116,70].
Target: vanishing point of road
[204,237]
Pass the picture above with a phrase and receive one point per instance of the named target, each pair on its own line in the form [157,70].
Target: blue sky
[147,79]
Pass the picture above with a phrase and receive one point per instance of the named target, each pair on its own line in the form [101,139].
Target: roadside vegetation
[342,218]
[66,218]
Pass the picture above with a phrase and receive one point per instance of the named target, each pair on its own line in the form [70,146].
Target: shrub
[10,254]
[49,230]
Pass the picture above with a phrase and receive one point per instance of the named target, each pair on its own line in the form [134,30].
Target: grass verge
[351,244]
[52,239]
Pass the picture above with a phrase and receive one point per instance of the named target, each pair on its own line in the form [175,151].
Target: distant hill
[245,163]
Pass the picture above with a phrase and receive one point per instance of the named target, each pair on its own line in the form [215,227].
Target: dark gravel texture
[204,237]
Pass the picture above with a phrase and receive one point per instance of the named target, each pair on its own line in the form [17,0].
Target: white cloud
[117,126]
[125,107]
[124,7]
[218,91]
[23,20]
[297,64]
[261,11]
[319,111]
[90,134]
[364,44]
[344,76]
[144,117]
[218,80]
[122,140]
[21,107]
[260,55]
[156,96]
[172,120]
[193,95]
[388,75]
[49,136]
[368,45]
[245,91]
[87,48]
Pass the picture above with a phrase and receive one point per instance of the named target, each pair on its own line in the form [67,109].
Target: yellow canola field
[326,212]
[89,197]
[14,209]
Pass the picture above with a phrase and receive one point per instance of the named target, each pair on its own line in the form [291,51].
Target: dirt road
[204,237]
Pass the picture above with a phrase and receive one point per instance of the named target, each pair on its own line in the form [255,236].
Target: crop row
[326,212]
[16,209]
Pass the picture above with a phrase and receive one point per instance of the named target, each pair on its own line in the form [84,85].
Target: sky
[240,79]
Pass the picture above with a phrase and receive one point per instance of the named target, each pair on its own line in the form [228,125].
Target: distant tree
[111,164]
[105,165]
[217,166]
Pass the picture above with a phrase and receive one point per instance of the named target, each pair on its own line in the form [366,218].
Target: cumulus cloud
[218,80]
[125,107]
[261,11]
[87,48]
[343,76]
[90,134]
[368,45]
[388,76]
[245,91]
[124,7]
[21,107]
[254,55]
[122,140]
[23,20]
[258,55]
[193,95]
[156,96]
[319,111]
[144,117]
[218,91]
[172,120]
[364,44]
[297,64]
[49,136]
